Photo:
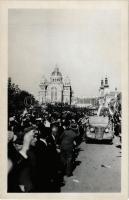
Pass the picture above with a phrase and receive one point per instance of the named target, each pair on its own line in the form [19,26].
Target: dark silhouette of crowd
[42,149]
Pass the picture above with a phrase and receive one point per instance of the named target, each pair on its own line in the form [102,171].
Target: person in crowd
[27,174]
[20,176]
[42,157]
[13,158]
[67,142]
[116,120]
[53,159]
[54,132]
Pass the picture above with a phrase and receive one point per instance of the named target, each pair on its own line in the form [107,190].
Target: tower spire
[102,83]
[106,85]
[101,89]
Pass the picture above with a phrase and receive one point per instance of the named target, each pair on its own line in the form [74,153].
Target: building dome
[56,75]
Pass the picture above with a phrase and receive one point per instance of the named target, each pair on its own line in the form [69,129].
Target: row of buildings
[57,89]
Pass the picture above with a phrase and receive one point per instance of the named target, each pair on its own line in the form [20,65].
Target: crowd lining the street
[42,148]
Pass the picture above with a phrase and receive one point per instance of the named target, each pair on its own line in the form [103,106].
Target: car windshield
[98,121]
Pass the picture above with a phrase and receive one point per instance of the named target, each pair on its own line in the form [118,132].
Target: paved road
[99,169]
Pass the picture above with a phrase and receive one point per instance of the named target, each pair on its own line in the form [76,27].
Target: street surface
[98,169]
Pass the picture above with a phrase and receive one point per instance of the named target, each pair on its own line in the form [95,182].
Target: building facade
[56,90]
[105,95]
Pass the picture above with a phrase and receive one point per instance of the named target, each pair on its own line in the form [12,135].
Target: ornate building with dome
[56,90]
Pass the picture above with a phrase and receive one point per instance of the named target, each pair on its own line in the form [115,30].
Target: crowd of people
[42,149]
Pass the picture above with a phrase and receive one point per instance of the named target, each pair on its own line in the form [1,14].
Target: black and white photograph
[64,100]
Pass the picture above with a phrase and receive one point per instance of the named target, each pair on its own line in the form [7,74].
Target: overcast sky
[86,45]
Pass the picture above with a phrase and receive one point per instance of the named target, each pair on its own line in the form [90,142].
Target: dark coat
[19,164]
[67,139]
[42,172]
[52,155]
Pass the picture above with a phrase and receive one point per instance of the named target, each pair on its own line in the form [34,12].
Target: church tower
[106,86]
[67,91]
[101,89]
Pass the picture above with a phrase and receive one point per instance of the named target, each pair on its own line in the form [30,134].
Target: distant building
[104,87]
[56,90]
[85,102]
[105,95]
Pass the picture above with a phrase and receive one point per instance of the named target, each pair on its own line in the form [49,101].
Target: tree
[18,99]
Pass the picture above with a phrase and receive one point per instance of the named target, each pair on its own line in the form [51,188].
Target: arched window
[53,94]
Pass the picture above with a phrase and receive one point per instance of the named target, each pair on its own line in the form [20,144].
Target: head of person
[43,131]
[67,124]
[34,139]
[54,130]
[30,135]
[73,125]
